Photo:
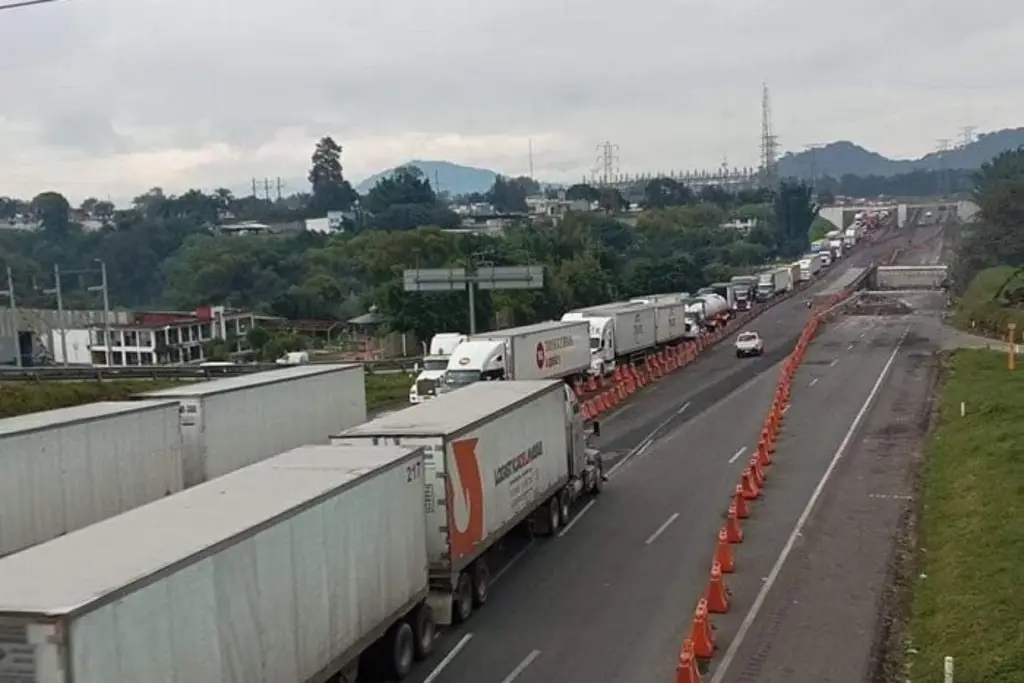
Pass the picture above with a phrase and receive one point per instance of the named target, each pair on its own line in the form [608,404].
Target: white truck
[711,310]
[749,344]
[836,248]
[306,567]
[782,281]
[794,273]
[618,332]
[435,363]
[765,285]
[671,323]
[548,350]
[62,470]
[810,264]
[497,454]
[236,421]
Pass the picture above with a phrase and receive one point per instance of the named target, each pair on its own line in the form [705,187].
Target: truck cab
[475,360]
[602,341]
[434,365]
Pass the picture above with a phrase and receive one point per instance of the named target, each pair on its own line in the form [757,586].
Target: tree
[583,192]
[331,192]
[407,185]
[664,192]
[509,195]
[53,211]
[794,210]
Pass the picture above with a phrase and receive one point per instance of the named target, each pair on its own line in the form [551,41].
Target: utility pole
[60,312]
[529,144]
[967,135]
[813,148]
[943,145]
[266,188]
[769,142]
[280,186]
[9,293]
[254,187]
[106,308]
[607,167]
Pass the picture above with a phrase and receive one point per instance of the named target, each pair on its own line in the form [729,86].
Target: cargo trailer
[61,470]
[627,327]
[236,421]
[287,571]
[497,454]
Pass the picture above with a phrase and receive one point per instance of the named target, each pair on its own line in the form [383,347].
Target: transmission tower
[813,148]
[967,135]
[769,142]
[943,148]
[606,168]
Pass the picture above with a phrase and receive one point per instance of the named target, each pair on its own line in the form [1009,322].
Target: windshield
[435,364]
[595,343]
[461,378]
[747,337]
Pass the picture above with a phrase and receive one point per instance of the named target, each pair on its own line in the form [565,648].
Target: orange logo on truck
[466,493]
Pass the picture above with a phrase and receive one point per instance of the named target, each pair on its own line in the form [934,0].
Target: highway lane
[859,409]
[608,599]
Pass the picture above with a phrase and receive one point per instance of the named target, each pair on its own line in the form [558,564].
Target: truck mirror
[597,428]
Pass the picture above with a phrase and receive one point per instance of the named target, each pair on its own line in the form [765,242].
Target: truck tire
[554,516]
[462,599]
[401,649]
[481,582]
[424,631]
[564,508]
[598,484]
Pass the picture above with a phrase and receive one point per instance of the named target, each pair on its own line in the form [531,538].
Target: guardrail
[182,372]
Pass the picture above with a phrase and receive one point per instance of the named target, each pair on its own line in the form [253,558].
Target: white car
[749,344]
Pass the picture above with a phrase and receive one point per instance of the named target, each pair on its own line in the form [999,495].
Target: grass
[979,312]
[967,599]
[19,398]
[384,390]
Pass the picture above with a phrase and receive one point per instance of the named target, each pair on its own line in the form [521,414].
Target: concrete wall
[910,277]
[45,325]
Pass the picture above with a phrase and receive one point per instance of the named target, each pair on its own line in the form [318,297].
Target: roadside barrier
[700,643]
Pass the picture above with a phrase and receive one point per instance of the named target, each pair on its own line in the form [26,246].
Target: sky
[108,98]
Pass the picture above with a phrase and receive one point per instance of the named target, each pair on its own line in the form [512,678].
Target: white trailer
[671,323]
[554,349]
[283,572]
[61,470]
[498,454]
[633,325]
[236,421]
[781,280]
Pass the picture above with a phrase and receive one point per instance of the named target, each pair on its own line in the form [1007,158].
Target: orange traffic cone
[763,457]
[742,509]
[750,489]
[717,594]
[723,553]
[701,634]
[686,670]
[733,532]
[759,474]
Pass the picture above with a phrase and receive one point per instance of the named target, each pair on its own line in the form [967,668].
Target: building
[169,337]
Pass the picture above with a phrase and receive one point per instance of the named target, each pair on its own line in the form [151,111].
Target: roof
[255,379]
[453,411]
[49,419]
[527,329]
[94,564]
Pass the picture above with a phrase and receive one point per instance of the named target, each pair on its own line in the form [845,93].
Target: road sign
[435,279]
[510,277]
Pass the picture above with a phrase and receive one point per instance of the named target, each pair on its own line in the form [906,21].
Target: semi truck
[547,350]
[726,291]
[618,332]
[710,309]
[810,264]
[236,421]
[307,567]
[431,374]
[671,323]
[62,470]
[794,273]
[765,285]
[498,454]
[744,291]
[783,282]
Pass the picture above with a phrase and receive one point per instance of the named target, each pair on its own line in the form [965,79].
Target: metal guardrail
[183,372]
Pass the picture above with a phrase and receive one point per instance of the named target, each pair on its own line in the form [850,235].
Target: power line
[26,3]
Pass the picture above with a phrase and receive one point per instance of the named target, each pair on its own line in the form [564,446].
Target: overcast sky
[111,97]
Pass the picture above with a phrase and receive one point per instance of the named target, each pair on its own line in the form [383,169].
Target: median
[966,599]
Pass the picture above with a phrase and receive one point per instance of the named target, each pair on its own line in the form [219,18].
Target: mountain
[444,176]
[837,159]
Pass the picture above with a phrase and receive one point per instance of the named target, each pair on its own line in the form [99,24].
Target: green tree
[795,210]
[583,192]
[331,192]
[508,195]
[53,211]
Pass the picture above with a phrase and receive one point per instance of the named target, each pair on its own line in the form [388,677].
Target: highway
[610,598]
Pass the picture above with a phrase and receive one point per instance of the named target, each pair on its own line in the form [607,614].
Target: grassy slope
[977,305]
[18,398]
[968,600]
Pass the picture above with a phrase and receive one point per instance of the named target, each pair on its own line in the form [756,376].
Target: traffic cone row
[700,642]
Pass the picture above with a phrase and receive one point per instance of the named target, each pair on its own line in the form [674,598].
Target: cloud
[109,97]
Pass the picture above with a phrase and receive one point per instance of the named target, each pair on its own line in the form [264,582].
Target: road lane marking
[578,517]
[508,565]
[448,658]
[657,532]
[737,454]
[514,674]
[813,382]
[833,363]
[683,409]
[801,522]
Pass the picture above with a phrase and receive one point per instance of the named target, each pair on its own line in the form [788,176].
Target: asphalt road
[609,599]
[859,411]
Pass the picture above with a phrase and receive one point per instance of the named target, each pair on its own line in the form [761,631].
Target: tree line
[165,251]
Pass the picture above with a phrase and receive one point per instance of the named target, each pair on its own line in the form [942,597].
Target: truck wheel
[481,582]
[564,508]
[402,650]
[739,354]
[462,601]
[554,516]
[424,631]
[598,484]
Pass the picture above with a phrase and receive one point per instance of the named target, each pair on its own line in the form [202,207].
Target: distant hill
[452,178]
[840,158]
